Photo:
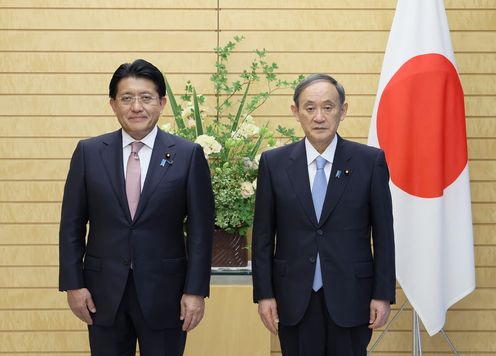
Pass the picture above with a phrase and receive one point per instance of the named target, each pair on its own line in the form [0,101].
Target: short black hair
[312,78]
[138,69]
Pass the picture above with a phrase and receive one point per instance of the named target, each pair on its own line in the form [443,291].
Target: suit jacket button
[320,232]
[312,259]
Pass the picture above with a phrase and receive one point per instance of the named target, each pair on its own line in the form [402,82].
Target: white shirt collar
[328,154]
[148,140]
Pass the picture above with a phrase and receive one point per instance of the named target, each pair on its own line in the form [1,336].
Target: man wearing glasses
[135,276]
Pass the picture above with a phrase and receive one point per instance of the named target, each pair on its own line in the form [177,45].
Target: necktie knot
[135,147]
[321,162]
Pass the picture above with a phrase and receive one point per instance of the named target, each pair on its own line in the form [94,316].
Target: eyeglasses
[144,99]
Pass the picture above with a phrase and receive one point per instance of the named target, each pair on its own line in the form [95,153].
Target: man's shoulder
[106,138]
[282,150]
[177,140]
[359,148]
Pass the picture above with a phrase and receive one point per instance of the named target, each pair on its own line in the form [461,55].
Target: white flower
[254,184]
[247,163]
[251,164]
[190,123]
[209,144]
[249,119]
[167,127]
[247,189]
[188,111]
[246,130]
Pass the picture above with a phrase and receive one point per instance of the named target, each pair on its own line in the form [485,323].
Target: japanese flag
[419,121]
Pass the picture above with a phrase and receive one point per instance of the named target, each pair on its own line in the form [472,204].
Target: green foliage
[231,140]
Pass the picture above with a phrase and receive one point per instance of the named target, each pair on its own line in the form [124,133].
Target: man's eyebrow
[139,92]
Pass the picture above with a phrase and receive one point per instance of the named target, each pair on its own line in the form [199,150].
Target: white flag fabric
[419,121]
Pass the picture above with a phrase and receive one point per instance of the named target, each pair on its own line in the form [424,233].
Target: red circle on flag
[421,126]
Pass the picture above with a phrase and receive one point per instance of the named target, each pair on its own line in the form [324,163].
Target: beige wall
[56,58]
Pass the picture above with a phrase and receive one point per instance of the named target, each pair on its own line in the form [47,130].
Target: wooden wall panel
[29,277]
[343,41]
[105,41]
[33,169]
[107,19]
[57,57]
[28,234]
[20,62]
[22,212]
[59,126]
[483,170]
[22,191]
[341,19]
[110,4]
[344,4]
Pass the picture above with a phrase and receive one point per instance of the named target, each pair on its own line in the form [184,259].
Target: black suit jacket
[287,236]
[165,264]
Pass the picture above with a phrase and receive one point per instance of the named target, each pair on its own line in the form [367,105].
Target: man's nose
[319,115]
[136,105]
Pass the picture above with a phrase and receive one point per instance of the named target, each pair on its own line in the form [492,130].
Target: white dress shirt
[312,154]
[145,153]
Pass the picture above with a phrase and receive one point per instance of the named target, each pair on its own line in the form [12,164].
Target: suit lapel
[297,172]
[111,154]
[338,180]
[161,160]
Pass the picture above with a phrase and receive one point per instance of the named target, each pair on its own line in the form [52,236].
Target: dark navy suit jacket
[286,234]
[165,263]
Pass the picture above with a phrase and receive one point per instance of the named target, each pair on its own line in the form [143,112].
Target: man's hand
[379,313]
[81,304]
[192,309]
[267,309]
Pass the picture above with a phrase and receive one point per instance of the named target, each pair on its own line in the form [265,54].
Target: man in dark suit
[320,203]
[136,276]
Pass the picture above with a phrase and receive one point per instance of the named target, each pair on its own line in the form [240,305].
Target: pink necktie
[133,178]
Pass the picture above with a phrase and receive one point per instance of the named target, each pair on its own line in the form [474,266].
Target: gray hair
[312,78]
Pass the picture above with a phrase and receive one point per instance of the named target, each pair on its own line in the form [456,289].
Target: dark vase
[229,250]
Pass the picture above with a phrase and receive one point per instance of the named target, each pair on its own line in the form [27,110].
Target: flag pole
[416,336]
[451,345]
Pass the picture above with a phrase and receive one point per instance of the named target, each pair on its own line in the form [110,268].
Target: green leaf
[198,122]
[176,109]
[259,142]
[234,127]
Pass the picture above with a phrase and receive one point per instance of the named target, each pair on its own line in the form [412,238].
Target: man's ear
[113,104]
[294,110]
[344,111]
[163,101]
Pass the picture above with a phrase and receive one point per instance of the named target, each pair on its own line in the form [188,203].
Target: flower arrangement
[231,140]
